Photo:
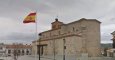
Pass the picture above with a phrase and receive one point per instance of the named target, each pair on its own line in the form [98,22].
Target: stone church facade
[75,38]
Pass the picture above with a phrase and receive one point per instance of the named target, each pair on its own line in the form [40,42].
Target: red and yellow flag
[30,18]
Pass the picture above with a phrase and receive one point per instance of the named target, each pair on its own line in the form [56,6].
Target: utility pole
[54,48]
[64,47]
[39,46]
[39,49]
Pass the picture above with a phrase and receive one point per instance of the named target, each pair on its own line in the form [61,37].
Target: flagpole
[30,19]
[36,33]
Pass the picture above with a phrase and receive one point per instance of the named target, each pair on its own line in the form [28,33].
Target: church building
[75,38]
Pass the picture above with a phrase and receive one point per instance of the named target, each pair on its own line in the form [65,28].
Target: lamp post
[39,45]
[64,47]
[39,50]
[54,48]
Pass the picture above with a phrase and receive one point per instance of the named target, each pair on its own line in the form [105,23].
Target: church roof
[18,46]
[82,19]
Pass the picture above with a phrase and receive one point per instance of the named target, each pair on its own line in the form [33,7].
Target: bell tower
[56,24]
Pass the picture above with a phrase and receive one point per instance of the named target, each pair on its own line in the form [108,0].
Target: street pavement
[19,58]
[25,58]
[30,57]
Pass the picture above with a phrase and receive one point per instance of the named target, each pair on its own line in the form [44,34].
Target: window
[27,52]
[9,51]
[22,51]
[19,51]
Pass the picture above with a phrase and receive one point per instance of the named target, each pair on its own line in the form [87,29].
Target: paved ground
[49,58]
[19,58]
[25,58]
[42,58]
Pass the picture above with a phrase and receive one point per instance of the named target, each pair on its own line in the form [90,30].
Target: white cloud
[106,31]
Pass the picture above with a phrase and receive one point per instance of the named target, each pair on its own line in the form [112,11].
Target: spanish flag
[30,18]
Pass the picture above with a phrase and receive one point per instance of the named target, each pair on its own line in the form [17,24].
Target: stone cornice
[60,36]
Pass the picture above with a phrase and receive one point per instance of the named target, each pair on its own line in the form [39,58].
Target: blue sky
[13,12]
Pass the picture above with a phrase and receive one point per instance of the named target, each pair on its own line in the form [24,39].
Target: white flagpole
[36,33]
